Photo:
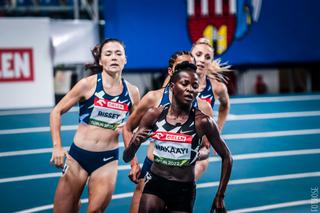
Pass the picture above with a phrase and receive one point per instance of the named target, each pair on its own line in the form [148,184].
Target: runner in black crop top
[173,157]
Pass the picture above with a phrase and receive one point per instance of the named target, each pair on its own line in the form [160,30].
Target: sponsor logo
[181,138]
[16,64]
[158,135]
[147,177]
[174,137]
[101,102]
[107,159]
[221,21]
[171,162]
[110,104]
[103,124]
[115,105]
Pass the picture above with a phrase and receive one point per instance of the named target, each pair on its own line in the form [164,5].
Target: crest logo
[221,21]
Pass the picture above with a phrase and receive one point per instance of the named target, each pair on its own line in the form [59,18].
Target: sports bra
[104,110]
[207,93]
[175,145]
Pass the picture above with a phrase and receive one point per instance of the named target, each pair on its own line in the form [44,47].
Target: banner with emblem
[241,31]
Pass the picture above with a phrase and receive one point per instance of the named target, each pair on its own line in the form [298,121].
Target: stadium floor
[275,142]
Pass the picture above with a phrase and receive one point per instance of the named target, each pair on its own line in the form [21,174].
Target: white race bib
[172,149]
[108,114]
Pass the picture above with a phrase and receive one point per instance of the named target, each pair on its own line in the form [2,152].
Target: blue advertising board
[242,31]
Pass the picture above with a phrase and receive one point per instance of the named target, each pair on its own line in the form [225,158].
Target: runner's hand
[58,156]
[218,205]
[134,173]
[142,136]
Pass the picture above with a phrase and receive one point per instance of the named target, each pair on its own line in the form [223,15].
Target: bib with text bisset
[104,110]
[108,114]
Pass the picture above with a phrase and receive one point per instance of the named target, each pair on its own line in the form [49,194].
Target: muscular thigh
[73,174]
[70,187]
[151,203]
[103,179]
[177,196]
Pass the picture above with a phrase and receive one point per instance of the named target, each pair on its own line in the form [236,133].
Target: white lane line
[270,154]
[232,101]
[227,137]
[274,99]
[211,159]
[35,129]
[271,134]
[233,117]
[31,111]
[30,177]
[252,209]
[28,152]
[85,200]
[202,185]
[44,150]
[37,209]
[274,206]
[262,179]
[47,175]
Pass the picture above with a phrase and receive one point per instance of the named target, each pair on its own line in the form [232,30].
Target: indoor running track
[275,142]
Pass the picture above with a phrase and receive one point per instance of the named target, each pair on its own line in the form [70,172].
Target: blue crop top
[104,110]
[207,93]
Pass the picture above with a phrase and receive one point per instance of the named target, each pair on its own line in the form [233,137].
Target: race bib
[108,114]
[172,149]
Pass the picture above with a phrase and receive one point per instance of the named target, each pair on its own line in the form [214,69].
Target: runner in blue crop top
[203,52]
[105,100]
[207,93]
[104,110]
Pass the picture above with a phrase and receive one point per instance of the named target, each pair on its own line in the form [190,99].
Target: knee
[94,209]
[97,205]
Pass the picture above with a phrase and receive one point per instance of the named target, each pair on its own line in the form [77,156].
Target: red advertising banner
[16,64]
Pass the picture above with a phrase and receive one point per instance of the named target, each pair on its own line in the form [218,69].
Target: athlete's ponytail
[217,70]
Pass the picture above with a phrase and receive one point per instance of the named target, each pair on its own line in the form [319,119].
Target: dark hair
[175,55]
[184,66]
[96,53]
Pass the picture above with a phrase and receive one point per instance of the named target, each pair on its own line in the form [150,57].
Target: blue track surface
[272,171]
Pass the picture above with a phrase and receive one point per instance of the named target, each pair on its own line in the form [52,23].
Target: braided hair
[175,55]
[183,66]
